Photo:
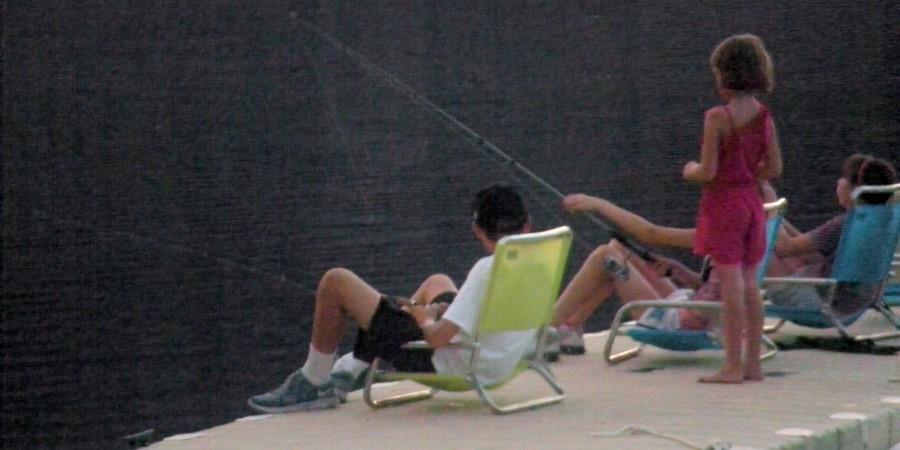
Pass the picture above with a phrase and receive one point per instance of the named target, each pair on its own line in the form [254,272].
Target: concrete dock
[810,399]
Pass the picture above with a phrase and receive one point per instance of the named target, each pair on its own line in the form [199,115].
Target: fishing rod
[222,258]
[505,160]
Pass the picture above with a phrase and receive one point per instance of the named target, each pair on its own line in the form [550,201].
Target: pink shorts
[731,227]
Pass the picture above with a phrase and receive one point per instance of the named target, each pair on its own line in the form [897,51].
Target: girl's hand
[577,202]
[690,169]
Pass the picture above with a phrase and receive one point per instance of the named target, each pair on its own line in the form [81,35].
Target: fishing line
[507,162]
[227,260]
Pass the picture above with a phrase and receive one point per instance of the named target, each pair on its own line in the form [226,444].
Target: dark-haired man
[386,323]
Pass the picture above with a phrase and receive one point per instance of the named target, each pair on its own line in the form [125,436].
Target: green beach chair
[525,279]
[864,256]
[687,340]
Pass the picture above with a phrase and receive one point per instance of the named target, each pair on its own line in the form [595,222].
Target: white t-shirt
[499,353]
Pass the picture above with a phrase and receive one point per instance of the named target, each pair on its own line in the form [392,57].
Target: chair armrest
[422,345]
[686,304]
[794,280]
[689,304]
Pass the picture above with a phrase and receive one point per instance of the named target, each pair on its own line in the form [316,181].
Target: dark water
[177,175]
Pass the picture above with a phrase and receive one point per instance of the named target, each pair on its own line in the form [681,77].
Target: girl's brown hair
[743,64]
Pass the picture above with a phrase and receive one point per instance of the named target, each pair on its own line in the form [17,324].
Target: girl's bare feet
[753,374]
[729,377]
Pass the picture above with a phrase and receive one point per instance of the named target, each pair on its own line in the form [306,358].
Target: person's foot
[551,347]
[344,383]
[753,374]
[722,376]
[572,342]
[297,393]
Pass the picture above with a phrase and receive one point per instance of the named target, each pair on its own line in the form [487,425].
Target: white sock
[317,368]
[348,363]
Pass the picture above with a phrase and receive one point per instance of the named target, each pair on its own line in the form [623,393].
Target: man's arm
[678,272]
[632,224]
[437,333]
[797,245]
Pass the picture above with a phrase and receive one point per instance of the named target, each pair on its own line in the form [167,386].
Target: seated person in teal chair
[614,268]
[812,254]
[386,323]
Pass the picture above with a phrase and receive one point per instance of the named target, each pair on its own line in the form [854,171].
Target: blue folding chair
[864,257]
[891,295]
[688,340]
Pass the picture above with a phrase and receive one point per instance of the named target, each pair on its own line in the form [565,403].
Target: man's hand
[578,202]
[425,314]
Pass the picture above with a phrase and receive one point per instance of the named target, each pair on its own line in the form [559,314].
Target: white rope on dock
[635,431]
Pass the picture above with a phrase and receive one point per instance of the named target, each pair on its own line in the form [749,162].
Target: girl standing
[739,148]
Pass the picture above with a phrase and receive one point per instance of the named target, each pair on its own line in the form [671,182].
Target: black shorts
[389,329]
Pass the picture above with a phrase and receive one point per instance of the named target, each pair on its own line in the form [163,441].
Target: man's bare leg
[341,294]
[432,287]
[594,283]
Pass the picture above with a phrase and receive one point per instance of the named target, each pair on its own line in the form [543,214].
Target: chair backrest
[868,239]
[773,224]
[525,280]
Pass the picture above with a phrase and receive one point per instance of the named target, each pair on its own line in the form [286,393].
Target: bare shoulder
[716,114]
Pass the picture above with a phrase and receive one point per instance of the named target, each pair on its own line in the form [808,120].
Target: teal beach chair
[687,340]
[864,256]
[525,279]
[892,289]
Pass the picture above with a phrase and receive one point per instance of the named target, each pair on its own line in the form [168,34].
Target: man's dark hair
[499,210]
[866,170]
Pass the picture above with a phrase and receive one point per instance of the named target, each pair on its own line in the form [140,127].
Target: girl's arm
[632,224]
[703,172]
[771,167]
[677,272]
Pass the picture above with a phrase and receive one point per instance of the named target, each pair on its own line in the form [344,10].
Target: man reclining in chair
[812,254]
[386,323]
[614,268]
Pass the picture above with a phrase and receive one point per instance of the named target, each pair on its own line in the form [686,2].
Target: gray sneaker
[551,346]
[344,383]
[572,340]
[295,394]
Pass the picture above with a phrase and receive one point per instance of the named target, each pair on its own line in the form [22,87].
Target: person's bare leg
[733,324]
[662,285]
[753,326]
[588,289]
[594,283]
[341,294]
[432,287]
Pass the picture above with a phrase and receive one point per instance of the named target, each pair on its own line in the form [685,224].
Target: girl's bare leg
[733,324]
[753,325]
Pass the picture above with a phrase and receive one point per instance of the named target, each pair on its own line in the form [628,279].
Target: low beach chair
[687,340]
[864,256]
[892,289]
[525,279]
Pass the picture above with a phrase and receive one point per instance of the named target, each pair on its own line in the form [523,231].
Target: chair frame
[619,327]
[830,284]
[471,381]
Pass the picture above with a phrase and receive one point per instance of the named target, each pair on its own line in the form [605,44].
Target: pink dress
[731,221]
